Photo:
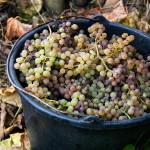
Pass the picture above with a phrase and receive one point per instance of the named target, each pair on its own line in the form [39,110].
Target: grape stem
[98,55]
[41,16]
[126,114]
[142,100]
[124,111]
[18,111]
[53,101]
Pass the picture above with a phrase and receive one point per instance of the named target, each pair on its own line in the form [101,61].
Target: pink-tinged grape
[124,55]
[68,53]
[68,24]
[110,61]
[69,73]
[62,42]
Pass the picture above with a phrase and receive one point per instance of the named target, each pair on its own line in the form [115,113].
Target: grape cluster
[86,73]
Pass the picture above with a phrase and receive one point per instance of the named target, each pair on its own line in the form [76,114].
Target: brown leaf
[12,99]
[110,3]
[9,96]
[5,91]
[15,28]
[95,10]
[117,13]
[17,141]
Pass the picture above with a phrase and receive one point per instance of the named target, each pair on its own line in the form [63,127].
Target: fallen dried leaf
[9,96]
[9,109]
[110,3]
[17,141]
[116,14]
[15,28]
[12,99]
[4,91]
[5,143]
[3,1]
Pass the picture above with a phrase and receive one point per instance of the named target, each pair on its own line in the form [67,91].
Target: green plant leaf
[129,147]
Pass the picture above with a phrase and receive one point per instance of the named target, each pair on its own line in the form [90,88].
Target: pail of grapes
[84,84]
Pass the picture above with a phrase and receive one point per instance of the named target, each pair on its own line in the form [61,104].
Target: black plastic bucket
[49,130]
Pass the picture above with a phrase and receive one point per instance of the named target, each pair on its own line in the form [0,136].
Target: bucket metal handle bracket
[101,19]
[92,120]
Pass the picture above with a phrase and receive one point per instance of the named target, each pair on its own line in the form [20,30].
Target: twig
[3,118]
[99,4]
[2,30]
[7,44]
[37,11]
[147,10]
[2,65]
[65,11]
[8,130]
[15,115]
[41,17]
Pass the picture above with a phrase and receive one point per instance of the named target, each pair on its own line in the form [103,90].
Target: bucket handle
[92,120]
[101,19]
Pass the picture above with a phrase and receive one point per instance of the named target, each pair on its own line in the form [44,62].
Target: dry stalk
[2,119]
